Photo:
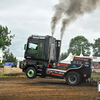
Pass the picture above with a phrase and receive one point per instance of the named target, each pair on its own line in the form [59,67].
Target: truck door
[33,49]
[41,51]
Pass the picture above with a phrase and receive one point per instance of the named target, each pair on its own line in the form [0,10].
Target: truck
[37,57]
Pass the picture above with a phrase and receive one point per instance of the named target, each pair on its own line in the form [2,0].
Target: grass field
[95,76]
[4,75]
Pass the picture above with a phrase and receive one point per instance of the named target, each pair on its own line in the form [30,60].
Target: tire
[73,78]
[31,73]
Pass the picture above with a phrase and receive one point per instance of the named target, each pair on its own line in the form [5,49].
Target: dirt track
[17,88]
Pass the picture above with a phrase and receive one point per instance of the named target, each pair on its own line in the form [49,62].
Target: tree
[63,56]
[96,47]
[5,37]
[8,56]
[77,43]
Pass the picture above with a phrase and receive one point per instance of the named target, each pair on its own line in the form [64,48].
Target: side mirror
[24,46]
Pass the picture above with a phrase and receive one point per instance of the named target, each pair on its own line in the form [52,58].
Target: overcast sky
[26,17]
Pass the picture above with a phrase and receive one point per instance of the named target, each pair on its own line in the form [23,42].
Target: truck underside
[75,73]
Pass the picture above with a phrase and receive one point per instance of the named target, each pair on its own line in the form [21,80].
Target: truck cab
[38,48]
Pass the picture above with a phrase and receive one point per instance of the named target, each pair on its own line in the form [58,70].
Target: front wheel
[73,78]
[31,73]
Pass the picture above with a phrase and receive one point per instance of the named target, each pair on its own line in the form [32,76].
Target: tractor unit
[39,50]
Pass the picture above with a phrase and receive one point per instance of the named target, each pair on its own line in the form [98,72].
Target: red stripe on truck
[56,74]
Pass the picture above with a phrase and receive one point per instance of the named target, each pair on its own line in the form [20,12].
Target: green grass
[95,76]
[3,75]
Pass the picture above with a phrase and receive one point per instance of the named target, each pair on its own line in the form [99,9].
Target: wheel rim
[30,73]
[72,79]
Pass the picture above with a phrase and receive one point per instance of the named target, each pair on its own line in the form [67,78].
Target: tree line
[5,41]
[80,42]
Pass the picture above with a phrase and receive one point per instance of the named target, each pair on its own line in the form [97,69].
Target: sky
[33,17]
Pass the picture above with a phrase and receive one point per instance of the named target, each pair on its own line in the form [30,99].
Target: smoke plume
[57,16]
[71,11]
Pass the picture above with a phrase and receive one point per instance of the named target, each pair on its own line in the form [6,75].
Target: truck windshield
[33,46]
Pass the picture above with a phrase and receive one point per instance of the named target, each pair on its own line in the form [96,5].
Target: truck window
[33,46]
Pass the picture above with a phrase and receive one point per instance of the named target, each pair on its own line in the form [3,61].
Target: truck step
[39,74]
[39,69]
[40,66]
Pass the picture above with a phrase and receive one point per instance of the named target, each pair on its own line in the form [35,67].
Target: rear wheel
[31,72]
[73,78]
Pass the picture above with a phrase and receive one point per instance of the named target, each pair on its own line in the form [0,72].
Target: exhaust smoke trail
[57,16]
[72,10]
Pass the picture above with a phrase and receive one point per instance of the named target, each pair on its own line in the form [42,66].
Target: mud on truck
[36,62]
